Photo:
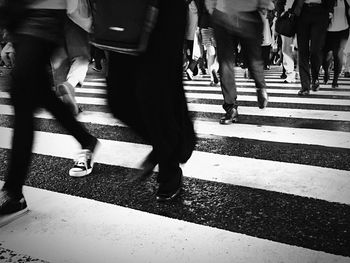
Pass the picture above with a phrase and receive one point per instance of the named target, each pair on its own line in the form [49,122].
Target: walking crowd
[49,50]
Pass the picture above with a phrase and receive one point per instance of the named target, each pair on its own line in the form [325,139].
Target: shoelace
[81,160]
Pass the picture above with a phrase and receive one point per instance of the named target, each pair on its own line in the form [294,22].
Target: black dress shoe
[315,85]
[230,116]
[262,98]
[168,191]
[283,76]
[325,78]
[215,76]
[147,168]
[303,92]
[334,85]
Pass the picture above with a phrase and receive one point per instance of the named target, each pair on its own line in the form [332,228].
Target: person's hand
[330,15]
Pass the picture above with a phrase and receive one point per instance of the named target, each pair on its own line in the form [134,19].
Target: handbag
[286,24]
[123,26]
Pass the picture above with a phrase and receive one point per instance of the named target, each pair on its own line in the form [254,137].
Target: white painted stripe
[309,181]
[90,91]
[343,86]
[252,84]
[247,131]
[88,78]
[276,112]
[93,83]
[303,100]
[90,116]
[241,81]
[270,91]
[217,88]
[4,95]
[276,134]
[296,100]
[64,228]
[278,79]
[103,118]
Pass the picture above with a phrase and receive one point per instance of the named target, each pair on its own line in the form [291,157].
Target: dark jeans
[266,55]
[311,33]
[335,42]
[226,41]
[31,88]
[150,98]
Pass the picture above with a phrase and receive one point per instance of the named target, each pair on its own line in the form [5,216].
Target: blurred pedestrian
[208,41]
[287,44]
[312,23]
[266,39]
[239,21]
[190,38]
[37,33]
[71,72]
[336,38]
[152,102]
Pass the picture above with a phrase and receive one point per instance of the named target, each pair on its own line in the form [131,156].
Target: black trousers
[146,92]
[311,33]
[31,88]
[335,42]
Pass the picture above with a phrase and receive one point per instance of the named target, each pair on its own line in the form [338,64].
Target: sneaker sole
[6,219]
[80,173]
[88,171]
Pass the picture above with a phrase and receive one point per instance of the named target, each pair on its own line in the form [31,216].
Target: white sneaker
[83,164]
[291,77]
[189,74]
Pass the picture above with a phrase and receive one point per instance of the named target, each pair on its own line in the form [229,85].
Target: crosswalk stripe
[88,116]
[277,134]
[252,84]
[303,180]
[79,226]
[302,100]
[270,91]
[325,138]
[205,87]
[277,112]
[100,101]
[76,231]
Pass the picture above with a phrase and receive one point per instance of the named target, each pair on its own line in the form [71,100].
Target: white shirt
[339,21]
[49,4]
[243,5]
[289,4]
[313,1]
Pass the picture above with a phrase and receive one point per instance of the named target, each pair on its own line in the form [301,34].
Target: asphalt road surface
[279,176]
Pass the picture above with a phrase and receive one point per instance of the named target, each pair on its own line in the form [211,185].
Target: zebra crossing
[274,187]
